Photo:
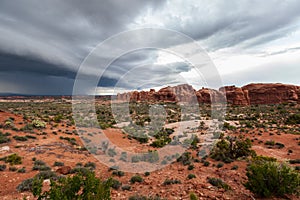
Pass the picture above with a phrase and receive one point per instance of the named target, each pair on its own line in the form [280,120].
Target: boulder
[64,170]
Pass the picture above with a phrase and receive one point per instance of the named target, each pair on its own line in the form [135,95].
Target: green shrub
[293,119]
[13,159]
[296,161]
[115,184]
[30,137]
[20,138]
[78,187]
[228,126]
[162,138]
[270,143]
[263,159]
[38,124]
[40,165]
[219,165]
[90,165]
[230,148]
[81,170]
[191,167]
[219,183]
[269,178]
[57,164]
[46,175]
[2,167]
[206,163]
[126,187]
[72,141]
[185,158]
[22,170]
[279,145]
[136,178]
[137,197]
[171,181]
[4,138]
[234,167]
[191,176]
[118,173]
[194,142]
[147,174]
[25,185]
[193,196]
[111,152]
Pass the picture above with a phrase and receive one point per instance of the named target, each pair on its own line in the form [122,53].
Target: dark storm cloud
[53,37]
[22,64]
[62,32]
[27,83]
[134,69]
[46,41]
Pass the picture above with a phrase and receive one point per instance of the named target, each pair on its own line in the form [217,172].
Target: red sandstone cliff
[247,95]
[235,95]
[272,93]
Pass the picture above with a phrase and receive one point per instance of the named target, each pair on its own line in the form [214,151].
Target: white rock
[4,149]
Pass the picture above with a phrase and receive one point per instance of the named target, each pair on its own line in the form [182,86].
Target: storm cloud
[43,43]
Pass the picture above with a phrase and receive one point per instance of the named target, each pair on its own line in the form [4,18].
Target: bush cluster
[4,138]
[219,183]
[13,159]
[136,178]
[231,148]
[271,178]
[40,166]
[80,187]
[171,181]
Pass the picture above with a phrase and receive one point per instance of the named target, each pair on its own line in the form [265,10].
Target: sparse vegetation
[193,196]
[57,163]
[13,159]
[219,183]
[136,178]
[76,187]
[40,166]
[293,119]
[171,181]
[4,138]
[230,148]
[262,124]
[191,176]
[270,178]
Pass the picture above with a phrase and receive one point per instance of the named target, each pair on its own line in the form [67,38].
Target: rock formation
[272,93]
[235,95]
[64,170]
[247,95]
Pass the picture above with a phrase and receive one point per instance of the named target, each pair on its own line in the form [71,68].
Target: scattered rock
[4,149]
[64,170]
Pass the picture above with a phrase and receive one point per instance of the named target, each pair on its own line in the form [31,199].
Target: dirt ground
[50,148]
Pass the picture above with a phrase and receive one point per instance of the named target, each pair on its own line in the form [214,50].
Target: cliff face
[272,93]
[235,95]
[180,93]
[247,95]
[206,95]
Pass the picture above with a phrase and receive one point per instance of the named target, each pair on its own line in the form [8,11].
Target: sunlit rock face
[272,93]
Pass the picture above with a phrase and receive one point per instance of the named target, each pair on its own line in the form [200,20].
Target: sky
[44,44]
